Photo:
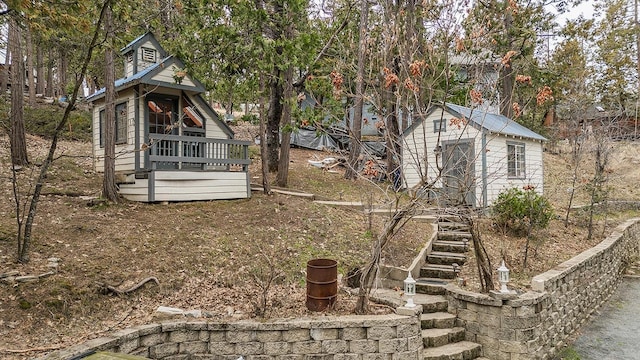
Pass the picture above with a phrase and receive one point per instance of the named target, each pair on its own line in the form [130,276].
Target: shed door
[162,118]
[459,173]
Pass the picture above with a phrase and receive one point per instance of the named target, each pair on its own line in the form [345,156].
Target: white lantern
[410,290]
[503,278]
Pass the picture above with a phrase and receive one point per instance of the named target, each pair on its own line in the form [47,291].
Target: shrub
[42,120]
[521,210]
[250,118]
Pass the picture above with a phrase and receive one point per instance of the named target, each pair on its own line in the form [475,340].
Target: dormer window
[148,55]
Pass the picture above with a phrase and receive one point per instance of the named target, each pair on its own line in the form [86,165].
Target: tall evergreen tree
[109,190]
[18,135]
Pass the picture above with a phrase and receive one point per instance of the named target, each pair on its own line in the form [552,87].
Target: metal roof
[122,82]
[494,123]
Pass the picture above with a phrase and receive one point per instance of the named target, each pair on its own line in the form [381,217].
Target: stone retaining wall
[536,324]
[385,337]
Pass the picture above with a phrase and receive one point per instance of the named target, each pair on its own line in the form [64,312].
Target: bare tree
[597,186]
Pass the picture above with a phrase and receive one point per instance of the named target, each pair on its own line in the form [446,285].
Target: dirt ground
[222,257]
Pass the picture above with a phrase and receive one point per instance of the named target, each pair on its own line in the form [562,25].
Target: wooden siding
[497,179]
[166,75]
[190,186]
[224,187]
[125,153]
[418,156]
[138,191]
[142,64]
[419,159]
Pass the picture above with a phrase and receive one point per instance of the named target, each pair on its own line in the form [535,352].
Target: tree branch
[298,83]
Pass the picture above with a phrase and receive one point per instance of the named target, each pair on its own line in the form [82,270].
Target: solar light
[503,278]
[410,290]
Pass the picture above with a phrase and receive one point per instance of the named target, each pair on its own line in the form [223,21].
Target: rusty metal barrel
[322,284]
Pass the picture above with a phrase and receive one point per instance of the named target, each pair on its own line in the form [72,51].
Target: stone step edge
[449,349]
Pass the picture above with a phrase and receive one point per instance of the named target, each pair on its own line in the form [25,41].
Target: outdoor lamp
[410,290]
[503,277]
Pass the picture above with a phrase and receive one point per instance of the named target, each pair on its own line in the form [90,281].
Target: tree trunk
[109,190]
[62,72]
[30,77]
[266,187]
[18,137]
[285,144]
[40,79]
[356,124]
[48,92]
[273,119]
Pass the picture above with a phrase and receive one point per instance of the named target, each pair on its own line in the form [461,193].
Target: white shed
[470,156]
[170,144]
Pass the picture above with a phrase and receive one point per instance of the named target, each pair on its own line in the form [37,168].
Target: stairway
[441,338]
[446,256]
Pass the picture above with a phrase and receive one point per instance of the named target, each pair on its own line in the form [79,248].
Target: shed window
[515,160]
[161,116]
[148,55]
[439,125]
[121,124]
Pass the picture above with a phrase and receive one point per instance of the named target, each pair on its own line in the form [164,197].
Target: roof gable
[148,76]
[141,40]
[494,123]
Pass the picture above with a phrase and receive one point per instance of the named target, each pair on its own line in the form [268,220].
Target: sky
[585,9]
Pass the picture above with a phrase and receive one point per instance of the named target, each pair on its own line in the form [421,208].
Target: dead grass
[205,254]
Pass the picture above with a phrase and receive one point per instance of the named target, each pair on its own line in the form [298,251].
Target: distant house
[480,70]
[480,154]
[617,123]
[170,144]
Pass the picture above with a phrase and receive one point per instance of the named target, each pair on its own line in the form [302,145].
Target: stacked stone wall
[385,337]
[536,324]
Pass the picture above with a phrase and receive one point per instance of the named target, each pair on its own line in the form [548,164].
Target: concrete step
[449,246]
[446,258]
[425,218]
[431,303]
[437,320]
[431,286]
[448,218]
[437,271]
[463,350]
[454,235]
[453,226]
[439,337]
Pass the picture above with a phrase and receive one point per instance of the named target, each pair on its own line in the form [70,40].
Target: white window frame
[516,165]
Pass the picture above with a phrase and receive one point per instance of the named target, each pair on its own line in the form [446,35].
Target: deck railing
[197,153]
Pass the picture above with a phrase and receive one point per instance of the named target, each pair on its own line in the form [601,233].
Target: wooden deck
[197,153]
[190,168]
